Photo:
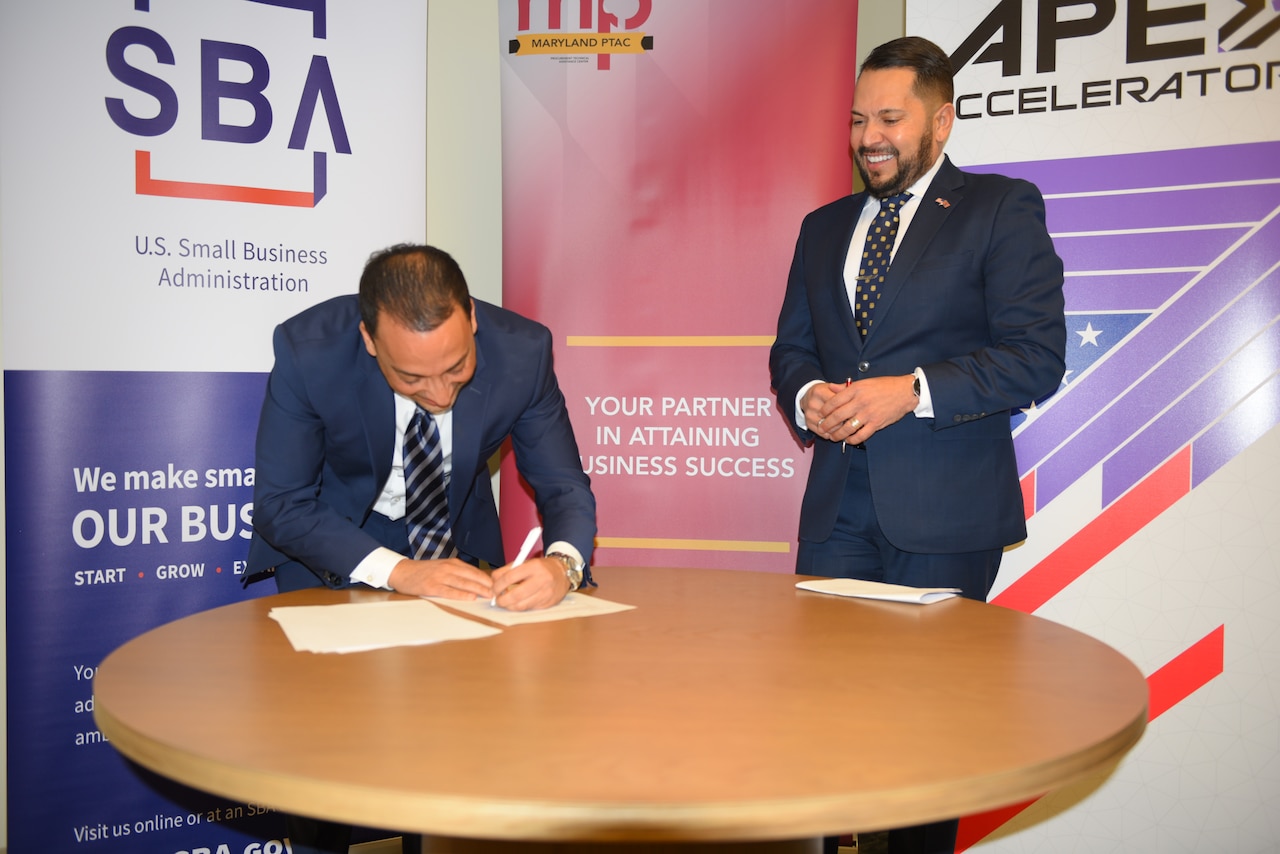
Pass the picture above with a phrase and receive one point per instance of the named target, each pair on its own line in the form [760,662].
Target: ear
[943,120]
[473,317]
[368,341]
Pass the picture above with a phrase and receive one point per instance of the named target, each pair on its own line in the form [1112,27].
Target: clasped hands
[853,412]
[536,583]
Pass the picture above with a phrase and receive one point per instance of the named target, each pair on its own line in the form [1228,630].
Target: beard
[909,169]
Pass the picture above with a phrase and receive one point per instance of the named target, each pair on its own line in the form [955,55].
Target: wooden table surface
[726,706]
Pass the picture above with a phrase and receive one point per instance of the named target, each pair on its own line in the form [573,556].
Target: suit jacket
[974,297]
[327,431]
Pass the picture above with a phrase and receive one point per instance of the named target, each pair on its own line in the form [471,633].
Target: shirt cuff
[375,569]
[924,406]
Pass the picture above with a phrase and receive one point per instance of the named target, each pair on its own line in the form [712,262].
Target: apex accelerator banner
[178,178]
[1153,129]
[656,166]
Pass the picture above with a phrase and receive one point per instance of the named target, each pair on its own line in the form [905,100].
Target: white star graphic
[1089,335]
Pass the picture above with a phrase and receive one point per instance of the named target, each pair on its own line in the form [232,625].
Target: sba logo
[218,88]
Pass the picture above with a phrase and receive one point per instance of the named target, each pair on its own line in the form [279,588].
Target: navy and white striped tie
[426,490]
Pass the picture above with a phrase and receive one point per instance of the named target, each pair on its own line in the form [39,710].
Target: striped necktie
[875,261]
[426,490]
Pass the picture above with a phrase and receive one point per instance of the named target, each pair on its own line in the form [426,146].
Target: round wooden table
[728,706]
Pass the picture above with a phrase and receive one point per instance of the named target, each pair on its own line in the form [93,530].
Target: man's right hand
[448,578]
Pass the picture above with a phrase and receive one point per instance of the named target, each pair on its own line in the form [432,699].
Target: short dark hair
[420,286]
[931,64]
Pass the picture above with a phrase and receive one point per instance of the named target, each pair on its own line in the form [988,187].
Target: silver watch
[572,569]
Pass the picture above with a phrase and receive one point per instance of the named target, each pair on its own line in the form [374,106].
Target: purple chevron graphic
[1173,301]
[1246,370]
[1123,292]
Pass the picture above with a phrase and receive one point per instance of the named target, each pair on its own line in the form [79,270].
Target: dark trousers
[857,548]
[313,836]
[936,838]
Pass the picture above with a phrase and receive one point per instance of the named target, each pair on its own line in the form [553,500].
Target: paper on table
[877,590]
[573,605]
[359,626]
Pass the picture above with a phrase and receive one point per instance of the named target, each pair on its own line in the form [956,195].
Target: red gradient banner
[651,205]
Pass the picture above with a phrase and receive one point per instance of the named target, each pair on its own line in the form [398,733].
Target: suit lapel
[468,416]
[935,206]
[377,408]
[840,291]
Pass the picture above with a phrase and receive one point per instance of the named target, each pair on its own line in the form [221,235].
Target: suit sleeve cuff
[375,569]
[799,411]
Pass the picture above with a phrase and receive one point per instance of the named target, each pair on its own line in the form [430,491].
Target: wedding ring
[854,425]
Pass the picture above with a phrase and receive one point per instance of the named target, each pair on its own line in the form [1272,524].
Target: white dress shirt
[853,263]
[375,569]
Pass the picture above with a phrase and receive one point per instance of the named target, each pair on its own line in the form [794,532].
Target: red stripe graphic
[148,186]
[1029,494]
[1168,686]
[1187,673]
[1100,537]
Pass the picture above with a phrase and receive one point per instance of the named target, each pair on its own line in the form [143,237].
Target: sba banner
[1153,130]
[177,179]
[657,162]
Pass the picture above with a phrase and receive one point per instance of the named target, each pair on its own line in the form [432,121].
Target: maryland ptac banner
[1153,130]
[177,179]
[658,158]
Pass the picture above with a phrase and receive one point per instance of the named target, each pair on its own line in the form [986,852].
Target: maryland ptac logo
[231,74]
[599,32]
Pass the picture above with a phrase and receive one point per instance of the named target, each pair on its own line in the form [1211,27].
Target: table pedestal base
[450,845]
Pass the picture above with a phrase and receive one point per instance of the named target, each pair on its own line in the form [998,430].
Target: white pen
[523,554]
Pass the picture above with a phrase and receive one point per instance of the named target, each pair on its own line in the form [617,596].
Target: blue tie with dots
[875,261]
[426,490]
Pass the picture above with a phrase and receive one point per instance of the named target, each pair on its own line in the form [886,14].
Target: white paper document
[877,590]
[573,605]
[356,627]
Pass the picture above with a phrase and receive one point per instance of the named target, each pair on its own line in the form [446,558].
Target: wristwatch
[915,386]
[572,569]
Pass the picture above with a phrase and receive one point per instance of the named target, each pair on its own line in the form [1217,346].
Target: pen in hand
[522,555]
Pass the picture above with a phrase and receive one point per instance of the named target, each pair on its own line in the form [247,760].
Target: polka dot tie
[875,261]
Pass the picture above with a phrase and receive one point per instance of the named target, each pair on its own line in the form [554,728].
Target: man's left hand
[536,583]
[855,412]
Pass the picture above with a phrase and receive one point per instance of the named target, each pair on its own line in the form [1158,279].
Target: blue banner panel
[130,506]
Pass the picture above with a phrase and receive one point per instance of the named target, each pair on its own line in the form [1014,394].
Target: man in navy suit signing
[352,376]
[900,357]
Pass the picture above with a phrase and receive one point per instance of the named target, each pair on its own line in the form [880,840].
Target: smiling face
[895,135]
[430,368]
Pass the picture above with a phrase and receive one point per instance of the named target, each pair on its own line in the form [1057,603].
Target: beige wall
[464,140]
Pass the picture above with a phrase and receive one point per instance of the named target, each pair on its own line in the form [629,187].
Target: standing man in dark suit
[900,357]
[353,378]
